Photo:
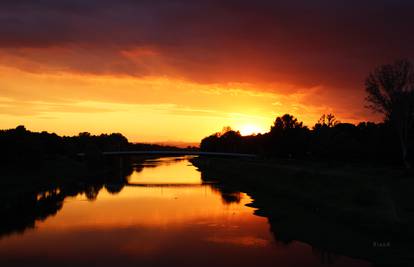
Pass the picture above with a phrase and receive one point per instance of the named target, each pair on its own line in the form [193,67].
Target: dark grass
[342,208]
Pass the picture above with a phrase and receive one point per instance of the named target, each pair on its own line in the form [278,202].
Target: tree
[327,120]
[288,137]
[225,130]
[286,122]
[390,91]
[227,140]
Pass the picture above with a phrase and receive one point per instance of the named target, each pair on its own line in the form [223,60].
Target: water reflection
[22,209]
[161,212]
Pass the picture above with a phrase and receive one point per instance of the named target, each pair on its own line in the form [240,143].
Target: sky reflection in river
[170,219]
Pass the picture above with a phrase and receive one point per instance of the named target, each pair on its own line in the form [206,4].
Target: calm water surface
[164,216]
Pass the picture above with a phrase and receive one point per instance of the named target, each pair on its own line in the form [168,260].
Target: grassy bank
[365,212]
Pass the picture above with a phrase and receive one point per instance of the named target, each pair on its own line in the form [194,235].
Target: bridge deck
[173,185]
[174,153]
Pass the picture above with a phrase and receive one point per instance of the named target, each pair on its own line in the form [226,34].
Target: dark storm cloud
[307,43]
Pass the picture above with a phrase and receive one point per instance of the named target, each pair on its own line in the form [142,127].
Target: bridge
[174,153]
[166,185]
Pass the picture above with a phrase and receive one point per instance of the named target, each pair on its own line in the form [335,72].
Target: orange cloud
[69,65]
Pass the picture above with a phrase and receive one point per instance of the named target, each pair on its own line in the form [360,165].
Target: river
[164,215]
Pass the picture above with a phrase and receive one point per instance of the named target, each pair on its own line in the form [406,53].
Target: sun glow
[249,129]
[71,103]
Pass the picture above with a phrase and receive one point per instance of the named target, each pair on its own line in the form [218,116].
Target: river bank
[364,212]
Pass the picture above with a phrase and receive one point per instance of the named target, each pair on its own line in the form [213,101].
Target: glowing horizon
[182,75]
[70,103]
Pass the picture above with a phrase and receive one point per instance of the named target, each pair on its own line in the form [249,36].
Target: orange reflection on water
[172,192]
[170,219]
[167,171]
[147,206]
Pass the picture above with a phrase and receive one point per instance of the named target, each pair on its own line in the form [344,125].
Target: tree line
[20,145]
[389,91]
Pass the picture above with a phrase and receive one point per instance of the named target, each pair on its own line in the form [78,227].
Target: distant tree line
[20,145]
[326,140]
[390,91]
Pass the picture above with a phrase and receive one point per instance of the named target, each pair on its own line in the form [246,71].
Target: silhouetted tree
[225,130]
[288,137]
[390,91]
[210,143]
[327,120]
[286,122]
[322,135]
[227,140]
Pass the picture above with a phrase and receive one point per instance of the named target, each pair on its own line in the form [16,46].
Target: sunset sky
[178,70]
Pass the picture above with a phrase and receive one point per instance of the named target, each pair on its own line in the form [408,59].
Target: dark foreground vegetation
[364,213]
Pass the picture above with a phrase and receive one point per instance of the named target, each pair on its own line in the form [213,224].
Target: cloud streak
[323,42]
